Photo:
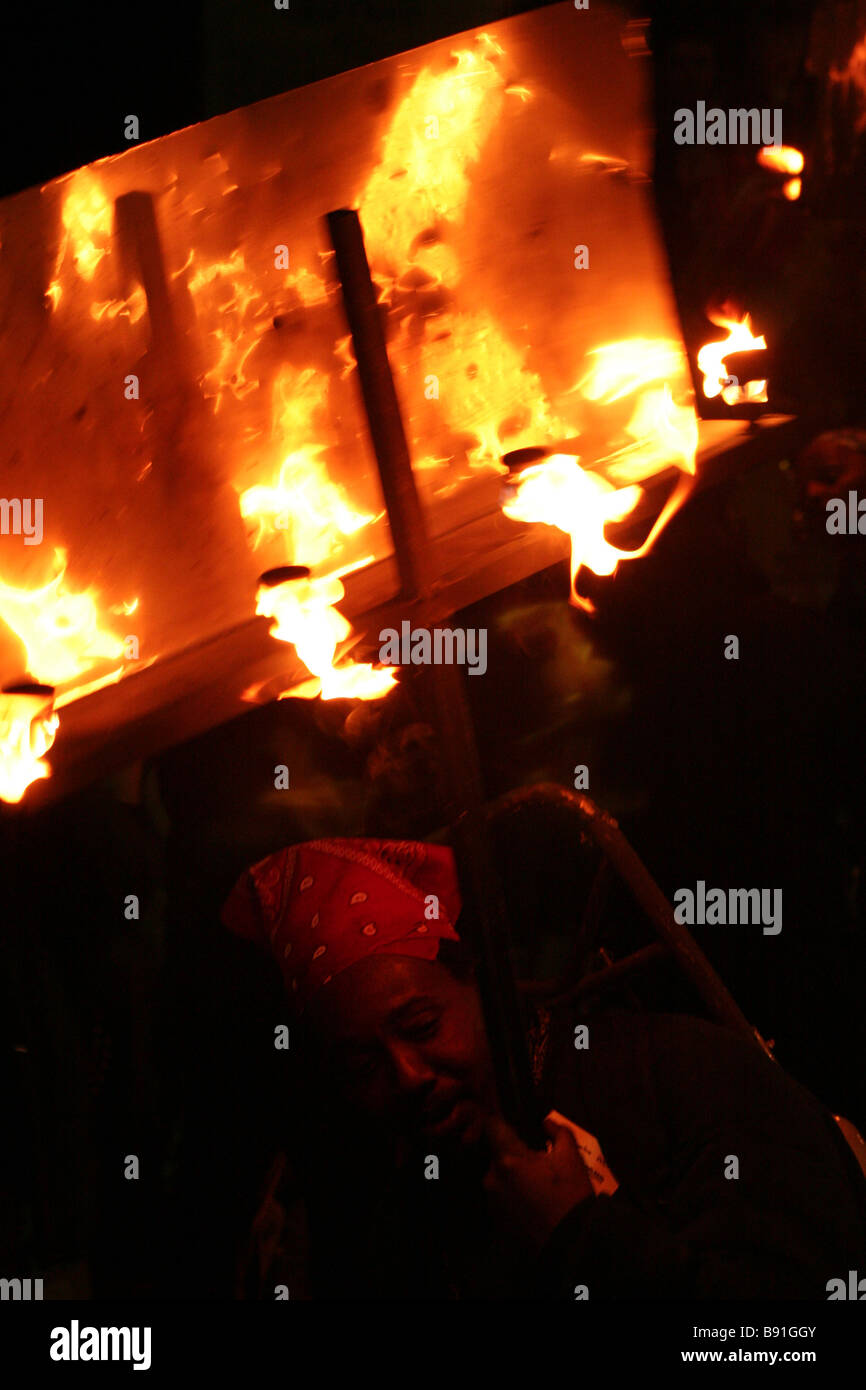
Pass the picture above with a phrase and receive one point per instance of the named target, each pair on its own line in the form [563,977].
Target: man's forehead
[353,1031]
[379,991]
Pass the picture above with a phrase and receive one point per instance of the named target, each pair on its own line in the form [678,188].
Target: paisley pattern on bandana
[322,906]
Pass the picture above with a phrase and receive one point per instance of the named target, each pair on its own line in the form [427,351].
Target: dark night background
[146,1037]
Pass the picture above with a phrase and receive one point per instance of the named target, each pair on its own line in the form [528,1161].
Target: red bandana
[323,905]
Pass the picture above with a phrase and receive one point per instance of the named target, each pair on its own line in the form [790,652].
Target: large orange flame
[711,361]
[409,204]
[304,614]
[663,432]
[560,493]
[27,729]
[422,178]
[313,512]
[60,630]
[88,219]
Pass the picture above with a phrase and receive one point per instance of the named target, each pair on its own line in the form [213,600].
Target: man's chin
[461,1128]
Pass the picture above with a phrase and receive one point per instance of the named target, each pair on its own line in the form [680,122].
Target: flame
[230,299]
[304,614]
[662,430]
[303,501]
[792,188]
[560,493]
[605,163]
[28,727]
[476,366]
[133,307]
[422,178]
[663,433]
[409,206]
[785,159]
[711,361]
[126,607]
[307,504]
[87,218]
[60,630]
[623,367]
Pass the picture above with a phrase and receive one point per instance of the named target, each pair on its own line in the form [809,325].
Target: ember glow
[711,361]
[853,76]
[27,729]
[785,159]
[304,614]
[61,630]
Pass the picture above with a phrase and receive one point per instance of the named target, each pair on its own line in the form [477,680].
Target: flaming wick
[28,726]
[304,614]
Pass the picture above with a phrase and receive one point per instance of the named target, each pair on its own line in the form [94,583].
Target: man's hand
[532,1191]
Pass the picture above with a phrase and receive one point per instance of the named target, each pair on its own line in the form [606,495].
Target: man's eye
[423,1027]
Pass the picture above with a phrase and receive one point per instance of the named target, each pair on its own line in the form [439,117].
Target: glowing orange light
[661,431]
[60,630]
[87,218]
[304,614]
[560,493]
[711,361]
[313,512]
[785,159]
[28,726]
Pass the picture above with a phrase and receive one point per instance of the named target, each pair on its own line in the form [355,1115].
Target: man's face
[404,1043]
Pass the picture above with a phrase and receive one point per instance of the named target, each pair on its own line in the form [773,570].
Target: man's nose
[412,1071]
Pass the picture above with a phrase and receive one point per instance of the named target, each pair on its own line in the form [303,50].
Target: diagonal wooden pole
[485,915]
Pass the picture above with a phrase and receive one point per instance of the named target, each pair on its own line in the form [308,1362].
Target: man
[680,1163]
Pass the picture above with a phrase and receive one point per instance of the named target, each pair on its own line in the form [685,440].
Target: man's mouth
[447,1119]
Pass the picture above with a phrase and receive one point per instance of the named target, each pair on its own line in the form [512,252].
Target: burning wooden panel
[178,391]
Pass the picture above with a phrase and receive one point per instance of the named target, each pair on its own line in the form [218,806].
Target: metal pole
[485,916]
[405,515]
[611,841]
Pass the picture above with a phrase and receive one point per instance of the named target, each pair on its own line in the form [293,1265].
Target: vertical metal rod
[142,259]
[483,899]
[405,514]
